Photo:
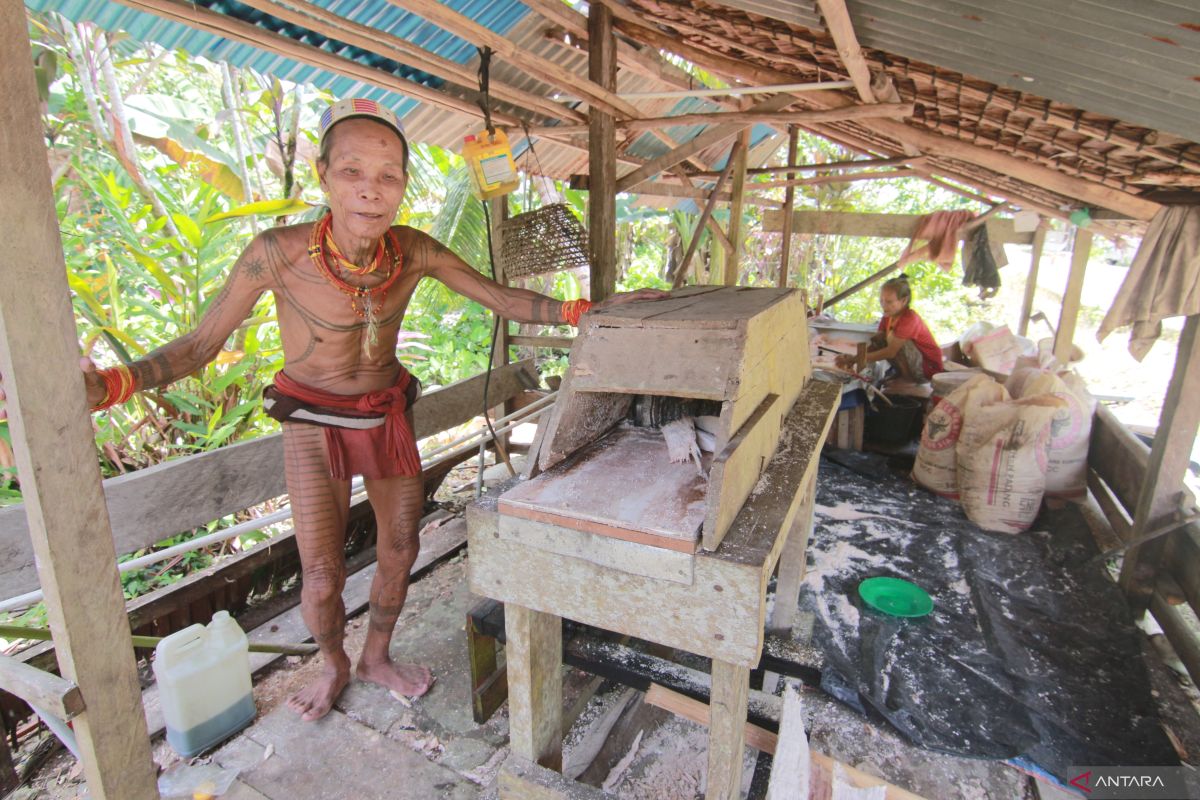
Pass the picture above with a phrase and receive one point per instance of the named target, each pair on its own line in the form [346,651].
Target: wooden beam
[862,163]
[1064,337]
[137,500]
[560,342]
[246,33]
[837,22]
[1035,260]
[602,159]
[1162,489]
[746,117]
[56,452]
[936,144]
[824,179]
[707,139]
[916,255]
[737,236]
[597,95]
[656,188]
[958,190]
[374,40]
[521,779]
[645,62]
[45,690]
[789,203]
[705,215]
[894,226]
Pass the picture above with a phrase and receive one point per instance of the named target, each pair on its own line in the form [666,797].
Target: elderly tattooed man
[341,286]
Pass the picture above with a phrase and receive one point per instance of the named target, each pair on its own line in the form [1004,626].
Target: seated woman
[903,339]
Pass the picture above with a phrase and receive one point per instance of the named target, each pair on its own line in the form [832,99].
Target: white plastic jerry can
[203,676]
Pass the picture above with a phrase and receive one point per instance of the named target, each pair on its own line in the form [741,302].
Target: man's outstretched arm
[521,305]
[249,278]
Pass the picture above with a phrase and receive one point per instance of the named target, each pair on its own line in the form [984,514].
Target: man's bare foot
[411,680]
[314,701]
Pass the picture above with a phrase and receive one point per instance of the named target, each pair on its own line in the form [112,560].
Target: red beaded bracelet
[572,310]
[119,386]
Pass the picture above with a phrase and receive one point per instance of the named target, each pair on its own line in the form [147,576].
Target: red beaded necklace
[364,301]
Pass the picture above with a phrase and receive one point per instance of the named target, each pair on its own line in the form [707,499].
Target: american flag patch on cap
[360,107]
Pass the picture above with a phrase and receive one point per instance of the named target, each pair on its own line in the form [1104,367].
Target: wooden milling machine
[612,534]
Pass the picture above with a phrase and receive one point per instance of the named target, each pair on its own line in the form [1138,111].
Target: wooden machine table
[611,534]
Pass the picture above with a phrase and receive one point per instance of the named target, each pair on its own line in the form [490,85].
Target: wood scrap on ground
[767,741]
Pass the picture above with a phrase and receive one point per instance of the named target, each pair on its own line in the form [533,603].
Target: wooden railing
[152,504]
[1117,465]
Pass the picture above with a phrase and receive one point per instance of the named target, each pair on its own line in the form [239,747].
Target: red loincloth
[366,434]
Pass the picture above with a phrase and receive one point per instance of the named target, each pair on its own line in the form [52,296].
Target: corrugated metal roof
[423,122]
[498,15]
[1135,61]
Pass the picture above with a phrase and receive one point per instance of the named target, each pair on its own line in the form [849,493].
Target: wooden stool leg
[533,649]
[727,730]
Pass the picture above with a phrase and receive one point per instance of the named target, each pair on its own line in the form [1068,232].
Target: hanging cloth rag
[982,262]
[1163,281]
[940,230]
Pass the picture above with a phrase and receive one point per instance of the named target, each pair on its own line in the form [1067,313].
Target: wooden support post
[1162,486]
[792,563]
[533,648]
[738,188]
[1065,336]
[705,219]
[727,730]
[1035,260]
[56,452]
[488,685]
[789,202]
[602,157]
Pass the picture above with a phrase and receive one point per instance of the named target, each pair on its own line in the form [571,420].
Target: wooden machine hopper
[746,349]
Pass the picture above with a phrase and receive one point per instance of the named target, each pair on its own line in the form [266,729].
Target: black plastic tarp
[1030,651]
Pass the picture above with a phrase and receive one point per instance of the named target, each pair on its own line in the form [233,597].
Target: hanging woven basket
[548,239]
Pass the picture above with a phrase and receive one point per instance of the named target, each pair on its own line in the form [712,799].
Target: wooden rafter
[747,117]
[824,179]
[705,217]
[237,30]
[373,40]
[1026,109]
[543,69]
[837,22]
[925,141]
[862,163]
[645,62]
[710,137]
